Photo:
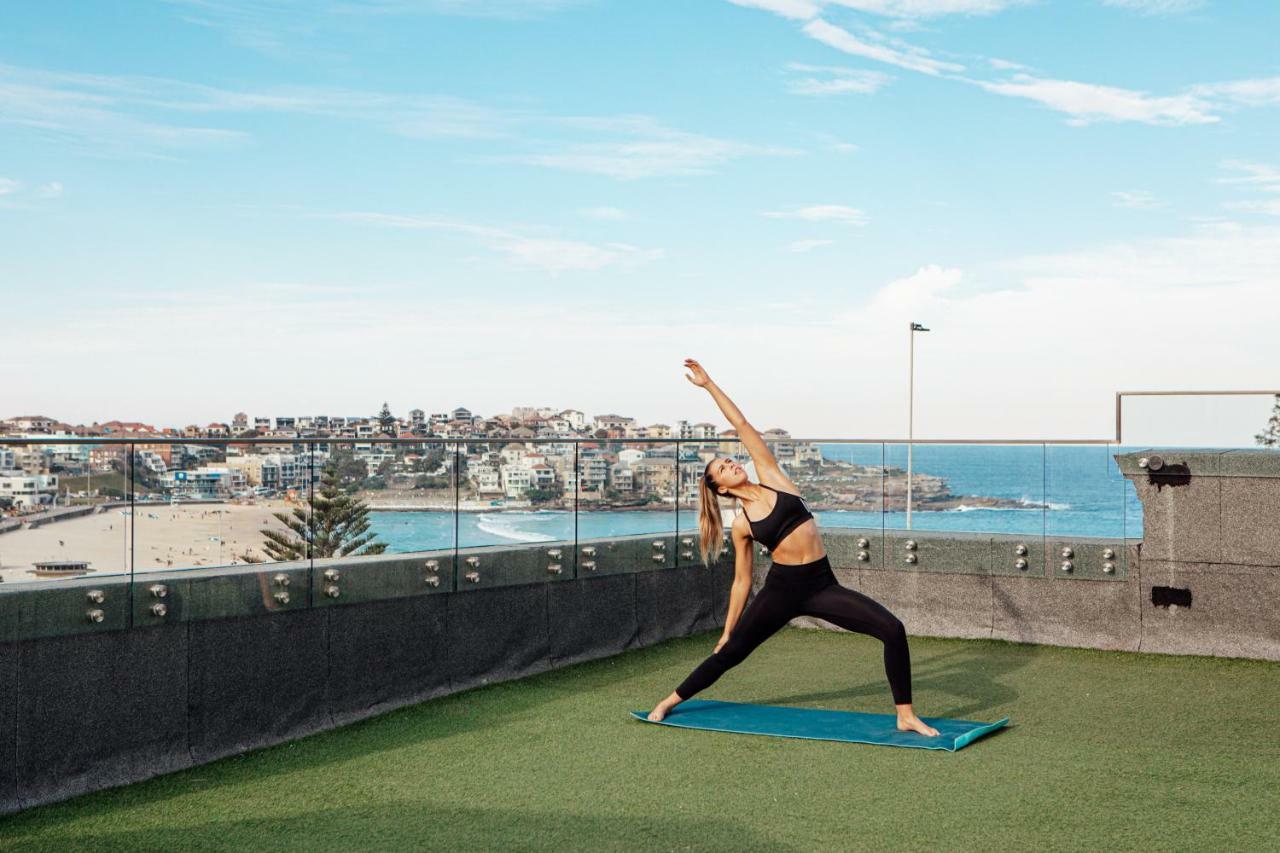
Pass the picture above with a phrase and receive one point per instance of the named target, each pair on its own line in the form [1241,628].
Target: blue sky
[304,207]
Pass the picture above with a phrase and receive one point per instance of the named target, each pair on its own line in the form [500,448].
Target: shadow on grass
[971,678]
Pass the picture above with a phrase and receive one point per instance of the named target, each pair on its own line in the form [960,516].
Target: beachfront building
[595,471]
[542,475]
[806,453]
[273,470]
[27,491]
[622,478]
[516,480]
[204,482]
[487,479]
[655,477]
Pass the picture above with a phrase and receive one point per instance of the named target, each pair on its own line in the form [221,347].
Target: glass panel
[626,489]
[843,485]
[957,499]
[516,492]
[694,453]
[512,497]
[65,510]
[410,487]
[203,505]
[1087,517]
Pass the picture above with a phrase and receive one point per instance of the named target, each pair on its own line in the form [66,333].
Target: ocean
[1061,490]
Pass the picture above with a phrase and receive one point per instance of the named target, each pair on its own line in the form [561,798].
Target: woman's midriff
[801,545]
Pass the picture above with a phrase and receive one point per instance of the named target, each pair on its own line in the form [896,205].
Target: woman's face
[727,473]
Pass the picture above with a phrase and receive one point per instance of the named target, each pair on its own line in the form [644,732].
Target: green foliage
[335,525]
[1270,436]
[540,496]
[386,420]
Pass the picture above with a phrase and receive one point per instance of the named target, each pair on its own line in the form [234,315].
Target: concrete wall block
[1251,520]
[933,605]
[1082,613]
[1232,614]
[1181,518]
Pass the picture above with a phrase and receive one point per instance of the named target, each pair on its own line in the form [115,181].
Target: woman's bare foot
[659,713]
[909,722]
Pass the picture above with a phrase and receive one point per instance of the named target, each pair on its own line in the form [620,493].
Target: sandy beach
[166,537]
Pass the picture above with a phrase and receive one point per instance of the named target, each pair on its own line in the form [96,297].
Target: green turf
[1106,751]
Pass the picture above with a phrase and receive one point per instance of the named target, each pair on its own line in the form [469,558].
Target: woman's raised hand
[696,374]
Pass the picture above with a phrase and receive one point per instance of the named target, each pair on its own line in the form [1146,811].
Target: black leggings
[808,589]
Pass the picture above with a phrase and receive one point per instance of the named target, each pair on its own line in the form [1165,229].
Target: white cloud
[1267,206]
[836,144]
[606,214]
[1136,199]
[800,246]
[804,10]
[116,111]
[1250,93]
[1260,177]
[835,80]
[912,58]
[53,189]
[837,213]
[928,8]
[1088,102]
[1006,65]
[640,147]
[1157,7]
[8,185]
[521,249]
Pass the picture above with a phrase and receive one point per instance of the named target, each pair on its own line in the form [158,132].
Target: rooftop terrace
[1105,750]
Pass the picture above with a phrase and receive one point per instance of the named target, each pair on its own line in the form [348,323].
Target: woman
[800,581]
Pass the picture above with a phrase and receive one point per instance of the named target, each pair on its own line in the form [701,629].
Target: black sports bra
[788,513]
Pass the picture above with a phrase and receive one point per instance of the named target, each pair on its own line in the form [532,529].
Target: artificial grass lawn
[1105,750]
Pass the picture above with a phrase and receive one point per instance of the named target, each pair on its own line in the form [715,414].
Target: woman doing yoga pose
[800,581]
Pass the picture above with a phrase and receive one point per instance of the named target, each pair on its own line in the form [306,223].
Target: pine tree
[337,525]
[1270,437]
[386,420]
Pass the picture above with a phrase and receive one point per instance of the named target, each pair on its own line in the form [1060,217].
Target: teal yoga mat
[819,724]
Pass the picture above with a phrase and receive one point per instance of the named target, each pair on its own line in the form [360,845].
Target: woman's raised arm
[760,453]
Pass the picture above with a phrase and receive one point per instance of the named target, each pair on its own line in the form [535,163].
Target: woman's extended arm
[760,453]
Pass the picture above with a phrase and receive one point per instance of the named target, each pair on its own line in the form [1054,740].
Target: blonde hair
[710,524]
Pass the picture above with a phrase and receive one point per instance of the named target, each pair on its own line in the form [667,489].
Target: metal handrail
[1120,395]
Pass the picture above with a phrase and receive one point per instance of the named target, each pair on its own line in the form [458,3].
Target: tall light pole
[911,411]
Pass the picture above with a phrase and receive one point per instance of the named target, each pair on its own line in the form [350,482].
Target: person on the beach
[800,581]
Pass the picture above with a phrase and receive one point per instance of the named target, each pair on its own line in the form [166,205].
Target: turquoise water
[1064,491]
